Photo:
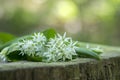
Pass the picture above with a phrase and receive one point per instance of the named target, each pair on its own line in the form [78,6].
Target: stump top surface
[109,53]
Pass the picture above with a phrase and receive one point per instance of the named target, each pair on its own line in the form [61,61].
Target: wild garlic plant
[59,48]
[48,46]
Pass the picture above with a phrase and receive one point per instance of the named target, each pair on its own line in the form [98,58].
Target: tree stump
[78,69]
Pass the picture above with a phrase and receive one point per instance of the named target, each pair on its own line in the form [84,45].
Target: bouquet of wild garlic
[46,46]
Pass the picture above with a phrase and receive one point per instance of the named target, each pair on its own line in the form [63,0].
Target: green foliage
[15,56]
[34,58]
[5,37]
[8,43]
[87,53]
[49,33]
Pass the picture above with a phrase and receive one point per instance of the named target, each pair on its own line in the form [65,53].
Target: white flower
[27,47]
[34,46]
[60,48]
[39,38]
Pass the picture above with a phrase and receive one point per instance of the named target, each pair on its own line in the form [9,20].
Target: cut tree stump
[79,69]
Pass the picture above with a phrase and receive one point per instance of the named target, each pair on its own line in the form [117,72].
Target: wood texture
[79,69]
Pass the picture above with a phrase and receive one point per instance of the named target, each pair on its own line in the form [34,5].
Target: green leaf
[98,51]
[84,52]
[5,37]
[13,41]
[34,58]
[15,56]
[49,33]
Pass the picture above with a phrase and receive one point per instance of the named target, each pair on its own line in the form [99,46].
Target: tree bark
[79,69]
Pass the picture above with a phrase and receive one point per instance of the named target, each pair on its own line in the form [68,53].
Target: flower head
[33,46]
[60,48]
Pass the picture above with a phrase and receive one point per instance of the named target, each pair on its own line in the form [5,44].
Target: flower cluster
[34,46]
[60,48]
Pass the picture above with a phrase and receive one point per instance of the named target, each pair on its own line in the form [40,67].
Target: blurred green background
[95,21]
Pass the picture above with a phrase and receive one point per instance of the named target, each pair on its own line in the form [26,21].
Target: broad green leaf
[5,37]
[84,52]
[98,51]
[15,56]
[94,49]
[49,33]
